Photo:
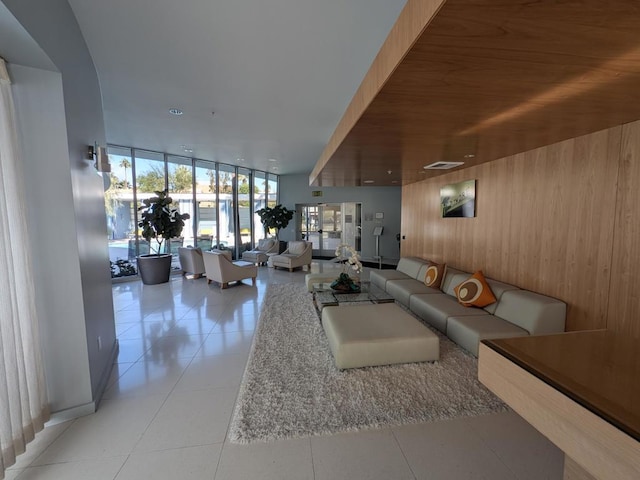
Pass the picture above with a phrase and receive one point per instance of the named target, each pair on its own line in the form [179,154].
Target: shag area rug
[291,387]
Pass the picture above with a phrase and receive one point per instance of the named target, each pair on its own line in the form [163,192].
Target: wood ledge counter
[579,389]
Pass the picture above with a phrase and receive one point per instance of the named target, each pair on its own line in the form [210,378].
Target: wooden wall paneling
[624,296]
[544,222]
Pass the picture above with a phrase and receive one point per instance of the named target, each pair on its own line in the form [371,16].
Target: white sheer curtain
[23,402]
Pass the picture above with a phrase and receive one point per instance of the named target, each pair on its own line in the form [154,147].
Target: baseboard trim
[106,374]
[71,413]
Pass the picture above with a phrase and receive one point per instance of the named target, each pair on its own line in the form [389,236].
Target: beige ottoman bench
[377,334]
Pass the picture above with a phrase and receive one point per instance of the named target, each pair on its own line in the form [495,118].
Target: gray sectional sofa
[516,312]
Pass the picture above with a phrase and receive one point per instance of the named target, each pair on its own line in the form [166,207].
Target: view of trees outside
[203,189]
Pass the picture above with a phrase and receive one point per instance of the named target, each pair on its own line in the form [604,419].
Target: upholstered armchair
[191,261]
[259,254]
[296,255]
[220,269]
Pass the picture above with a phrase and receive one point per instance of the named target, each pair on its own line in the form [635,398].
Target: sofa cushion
[468,331]
[533,312]
[436,308]
[380,277]
[434,275]
[402,289]
[475,291]
[498,288]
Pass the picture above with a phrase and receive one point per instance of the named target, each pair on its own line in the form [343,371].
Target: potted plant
[350,260]
[159,221]
[277,217]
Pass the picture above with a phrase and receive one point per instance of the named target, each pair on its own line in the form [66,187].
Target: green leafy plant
[277,217]
[159,220]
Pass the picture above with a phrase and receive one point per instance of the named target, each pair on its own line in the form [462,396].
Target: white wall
[52,227]
[295,189]
[53,26]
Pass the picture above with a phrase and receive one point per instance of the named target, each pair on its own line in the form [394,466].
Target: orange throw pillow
[475,291]
[435,274]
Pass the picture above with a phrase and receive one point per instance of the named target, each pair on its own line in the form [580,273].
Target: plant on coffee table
[350,259]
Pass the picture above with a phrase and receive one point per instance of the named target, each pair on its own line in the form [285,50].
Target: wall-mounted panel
[544,222]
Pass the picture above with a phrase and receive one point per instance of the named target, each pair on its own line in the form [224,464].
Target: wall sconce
[99,154]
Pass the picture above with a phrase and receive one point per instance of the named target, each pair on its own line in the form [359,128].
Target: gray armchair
[296,255]
[191,261]
[219,268]
[259,254]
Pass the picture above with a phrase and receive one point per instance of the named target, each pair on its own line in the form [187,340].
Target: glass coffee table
[324,296]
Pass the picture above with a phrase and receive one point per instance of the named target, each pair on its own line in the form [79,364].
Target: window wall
[221,200]
[245,180]
[259,201]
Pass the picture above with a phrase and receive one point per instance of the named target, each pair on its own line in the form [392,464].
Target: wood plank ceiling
[476,80]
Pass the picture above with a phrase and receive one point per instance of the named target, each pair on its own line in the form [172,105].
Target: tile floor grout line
[415,477]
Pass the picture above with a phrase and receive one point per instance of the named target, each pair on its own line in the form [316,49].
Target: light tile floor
[166,411]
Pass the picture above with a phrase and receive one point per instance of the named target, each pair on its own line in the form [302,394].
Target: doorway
[327,225]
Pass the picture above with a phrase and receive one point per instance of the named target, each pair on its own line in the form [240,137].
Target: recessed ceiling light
[188,150]
[240,159]
[175,111]
[368,181]
[274,168]
[394,181]
[469,155]
[272,160]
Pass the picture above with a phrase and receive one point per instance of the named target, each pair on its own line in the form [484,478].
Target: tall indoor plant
[159,221]
[277,217]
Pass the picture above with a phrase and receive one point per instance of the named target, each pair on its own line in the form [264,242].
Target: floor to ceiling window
[120,208]
[259,201]
[206,218]
[221,200]
[272,190]
[180,180]
[244,208]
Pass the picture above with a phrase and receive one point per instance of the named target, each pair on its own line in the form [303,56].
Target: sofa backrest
[266,244]
[411,266]
[226,253]
[452,278]
[538,314]
[498,289]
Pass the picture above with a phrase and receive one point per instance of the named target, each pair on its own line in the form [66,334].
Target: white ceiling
[278,74]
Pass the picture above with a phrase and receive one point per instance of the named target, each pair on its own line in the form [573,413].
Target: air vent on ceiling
[442,165]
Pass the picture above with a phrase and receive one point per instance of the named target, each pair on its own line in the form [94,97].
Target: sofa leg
[224,285]
[208,281]
[253,281]
[291,269]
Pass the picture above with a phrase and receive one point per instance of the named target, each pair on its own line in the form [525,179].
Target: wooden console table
[579,389]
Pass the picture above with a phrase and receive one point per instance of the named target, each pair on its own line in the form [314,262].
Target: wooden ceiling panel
[488,78]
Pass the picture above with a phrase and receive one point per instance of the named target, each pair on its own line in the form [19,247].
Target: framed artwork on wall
[458,199]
